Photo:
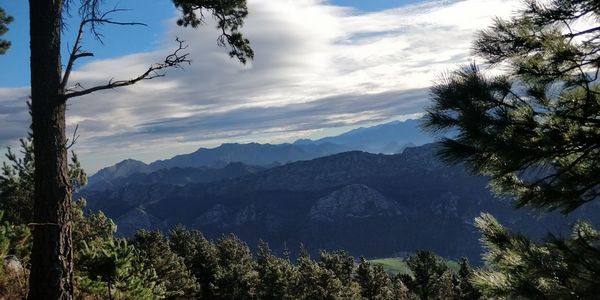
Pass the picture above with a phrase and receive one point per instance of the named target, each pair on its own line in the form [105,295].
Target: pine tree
[400,290]
[341,263]
[445,287]
[17,183]
[184,243]
[553,269]
[170,268]
[466,290]
[205,265]
[276,276]
[427,271]
[116,271]
[374,282]
[534,130]
[236,277]
[315,282]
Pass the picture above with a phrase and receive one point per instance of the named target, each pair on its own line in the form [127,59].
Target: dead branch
[173,60]
[93,20]
[73,139]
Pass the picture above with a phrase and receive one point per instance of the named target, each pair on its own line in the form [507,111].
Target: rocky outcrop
[217,214]
[353,201]
[134,220]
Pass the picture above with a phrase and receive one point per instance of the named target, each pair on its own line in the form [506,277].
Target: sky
[320,67]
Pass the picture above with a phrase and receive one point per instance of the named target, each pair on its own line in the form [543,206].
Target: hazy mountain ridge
[176,176]
[388,138]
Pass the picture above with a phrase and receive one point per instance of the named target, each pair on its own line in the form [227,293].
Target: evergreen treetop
[534,129]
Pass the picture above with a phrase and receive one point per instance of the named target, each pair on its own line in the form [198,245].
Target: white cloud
[317,66]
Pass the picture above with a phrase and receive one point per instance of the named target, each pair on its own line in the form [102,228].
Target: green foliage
[171,270]
[400,290]
[4,20]
[535,129]
[230,15]
[276,276]
[373,280]
[430,275]
[315,282]
[185,242]
[118,265]
[17,185]
[236,276]
[553,269]
[341,263]
[204,264]
[14,239]
[466,290]
[93,229]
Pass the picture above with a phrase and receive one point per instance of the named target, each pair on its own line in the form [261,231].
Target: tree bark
[52,254]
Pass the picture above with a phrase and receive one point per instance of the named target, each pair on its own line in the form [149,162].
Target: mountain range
[386,138]
[368,204]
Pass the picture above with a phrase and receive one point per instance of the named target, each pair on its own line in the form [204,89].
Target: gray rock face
[446,205]
[215,215]
[134,220]
[246,215]
[353,201]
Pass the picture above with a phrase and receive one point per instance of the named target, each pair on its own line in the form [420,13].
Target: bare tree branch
[74,56]
[173,60]
[74,139]
[92,19]
[92,16]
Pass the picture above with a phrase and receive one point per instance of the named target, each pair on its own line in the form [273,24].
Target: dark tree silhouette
[52,253]
[4,20]
[535,130]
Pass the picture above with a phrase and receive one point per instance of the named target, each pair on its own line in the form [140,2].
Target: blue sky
[320,67]
[120,40]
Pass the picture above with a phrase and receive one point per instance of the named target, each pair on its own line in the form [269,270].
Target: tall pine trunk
[52,254]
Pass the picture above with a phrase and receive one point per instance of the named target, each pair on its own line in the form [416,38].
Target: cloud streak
[317,66]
